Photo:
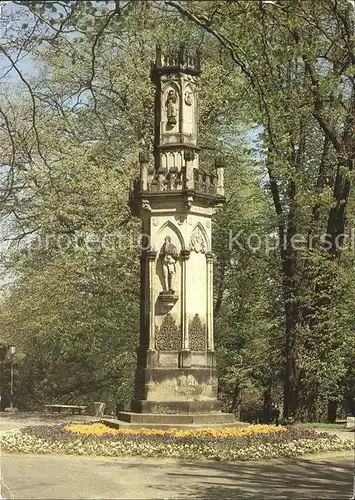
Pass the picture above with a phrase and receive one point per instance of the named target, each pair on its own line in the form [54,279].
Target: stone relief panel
[198,241]
[197,334]
[168,337]
[188,96]
[189,110]
[180,388]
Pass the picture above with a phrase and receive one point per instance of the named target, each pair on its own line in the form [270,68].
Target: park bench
[72,408]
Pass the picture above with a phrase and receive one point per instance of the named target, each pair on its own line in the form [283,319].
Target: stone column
[143,160]
[185,354]
[209,294]
[220,164]
[189,156]
[185,255]
[151,255]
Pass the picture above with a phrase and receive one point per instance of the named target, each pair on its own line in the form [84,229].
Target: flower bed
[247,443]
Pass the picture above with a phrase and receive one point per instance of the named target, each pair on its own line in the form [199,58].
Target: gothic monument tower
[176,197]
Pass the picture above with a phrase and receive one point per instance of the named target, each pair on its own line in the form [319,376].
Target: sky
[12,18]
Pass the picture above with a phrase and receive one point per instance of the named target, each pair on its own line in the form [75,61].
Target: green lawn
[322,425]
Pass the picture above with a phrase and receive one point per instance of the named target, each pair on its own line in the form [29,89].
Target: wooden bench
[72,408]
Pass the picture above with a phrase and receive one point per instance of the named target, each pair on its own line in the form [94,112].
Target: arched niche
[170,85]
[170,106]
[170,231]
[196,272]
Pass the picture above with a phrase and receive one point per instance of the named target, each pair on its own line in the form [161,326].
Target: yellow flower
[98,429]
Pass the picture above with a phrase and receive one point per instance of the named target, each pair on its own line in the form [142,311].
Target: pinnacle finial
[143,157]
[158,55]
[182,53]
[220,161]
[189,155]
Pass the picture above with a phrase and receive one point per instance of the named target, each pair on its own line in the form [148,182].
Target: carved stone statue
[171,108]
[169,256]
[188,98]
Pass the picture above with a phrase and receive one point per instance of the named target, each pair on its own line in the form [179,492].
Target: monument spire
[176,125]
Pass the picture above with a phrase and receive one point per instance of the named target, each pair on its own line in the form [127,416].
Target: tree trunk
[267,404]
[287,230]
[332,411]
[236,402]
[291,379]
[291,301]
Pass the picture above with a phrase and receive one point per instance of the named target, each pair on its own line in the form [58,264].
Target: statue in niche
[169,256]
[171,108]
[188,98]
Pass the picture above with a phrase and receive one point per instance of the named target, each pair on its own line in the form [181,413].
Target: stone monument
[175,197]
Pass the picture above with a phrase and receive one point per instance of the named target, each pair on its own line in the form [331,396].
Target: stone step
[181,420]
[177,418]
[350,423]
[121,424]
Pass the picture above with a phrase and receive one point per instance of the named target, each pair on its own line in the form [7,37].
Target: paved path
[62,477]
[18,420]
[342,433]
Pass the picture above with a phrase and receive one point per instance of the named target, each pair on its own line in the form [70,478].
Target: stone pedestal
[177,419]
[176,377]
[130,420]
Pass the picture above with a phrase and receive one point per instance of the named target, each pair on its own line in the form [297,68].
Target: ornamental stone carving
[188,98]
[198,241]
[168,336]
[197,334]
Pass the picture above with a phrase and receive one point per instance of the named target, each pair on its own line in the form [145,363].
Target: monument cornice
[197,195]
[178,146]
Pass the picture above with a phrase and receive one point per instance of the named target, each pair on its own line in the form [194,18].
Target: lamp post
[12,350]
[3,351]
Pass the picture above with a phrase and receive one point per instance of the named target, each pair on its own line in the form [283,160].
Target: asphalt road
[63,477]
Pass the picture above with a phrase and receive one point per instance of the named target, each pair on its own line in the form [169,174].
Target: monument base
[178,418]
[178,421]
[175,407]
